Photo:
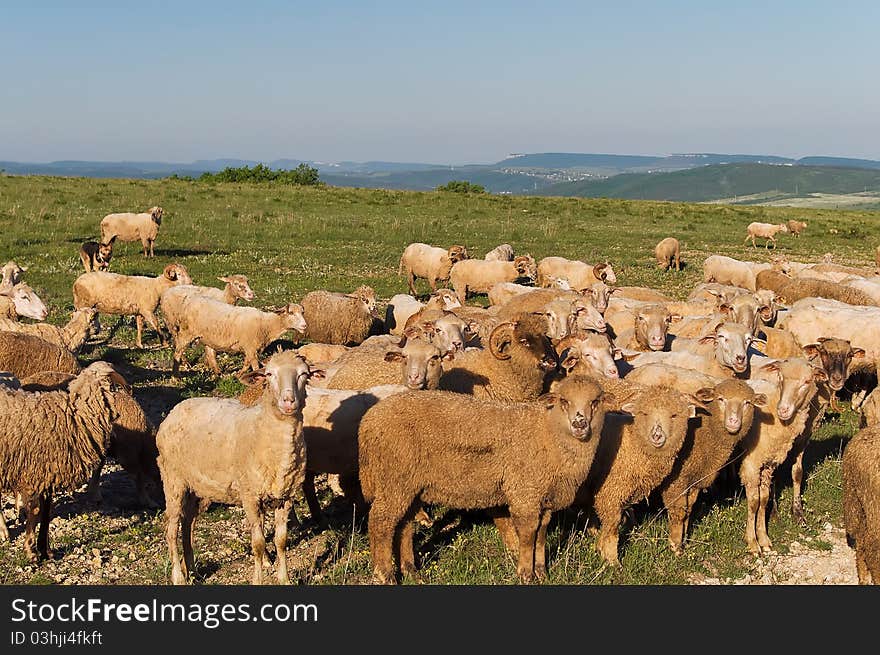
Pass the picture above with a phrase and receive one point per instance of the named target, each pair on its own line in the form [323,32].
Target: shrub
[301,175]
[462,186]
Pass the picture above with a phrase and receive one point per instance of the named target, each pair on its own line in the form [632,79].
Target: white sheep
[420,260]
[128,226]
[21,300]
[579,274]
[502,253]
[478,276]
[764,231]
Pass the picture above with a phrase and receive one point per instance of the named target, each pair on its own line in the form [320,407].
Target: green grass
[290,240]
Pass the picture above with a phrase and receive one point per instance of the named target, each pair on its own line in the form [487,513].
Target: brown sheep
[861,501]
[668,253]
[24,354]
[521,460]
[796,227]
[344,319]
[788,290]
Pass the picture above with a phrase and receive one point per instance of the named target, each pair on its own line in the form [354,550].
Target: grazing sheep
[502,253]
[218,450]
[11,274]
[96,256]
[861,502]
[580,275]
[25,354]
[667,253]
[52,441]
[636,452]
[796,227]
[127,295]
[707,448]
[344,319]
[523,460]
[128,226]
[419,260]
[229,328]
[790,290]
[478,276]
[21,300]
[790,392]
[72,336]
[764,231]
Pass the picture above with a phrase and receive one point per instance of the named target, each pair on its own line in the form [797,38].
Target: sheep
[796,227]
[790,290]
[648,330]
[419,260]
[636,452]
[640,294]
[229,328]
[25,354]
[764,231]
[870,409]
[402,306]
[52,441]
[583,312]
[707,448]
[729,271]
[512,368]
[126,295]
[478,276]
[790,392]
[870,287]
[780,344]
[579,274]
[588,353]
[21,300]
[321,353]
[11,273]
[810,319]
[668,253]
[446,330]
[523,461]
[502,253]
[715,293]
[726,342]
[218,450]
[72,336]
[861,490]
[128,226]
[344,319]
[96,256]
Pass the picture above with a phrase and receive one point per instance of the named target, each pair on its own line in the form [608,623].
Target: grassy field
[292,240]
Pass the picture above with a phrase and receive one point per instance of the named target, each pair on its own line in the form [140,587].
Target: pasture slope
[291,240]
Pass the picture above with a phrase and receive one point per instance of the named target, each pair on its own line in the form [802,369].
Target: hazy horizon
[465,83]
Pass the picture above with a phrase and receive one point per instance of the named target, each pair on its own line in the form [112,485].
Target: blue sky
[462,82]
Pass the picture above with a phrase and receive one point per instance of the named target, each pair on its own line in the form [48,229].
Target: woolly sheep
[402,306]
[641,294]
[522,460]
[420,260]
[580,275]
[796,227]
[790,290]
[11,273]
[502,253]
[72,336]
[588,353]
[727,342]
[583,312]
[446,330]
[870,409]
[321,353]
[128,226]
[25,354]
[478,276]
[340,318]
[218,450]
[667,254]
[21,300]
[648,330]
[764,231]
[810,319]
[861,491]
[51,441]
[729,271]
[127,295]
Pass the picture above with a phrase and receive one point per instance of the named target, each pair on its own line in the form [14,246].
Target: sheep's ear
[694,403]
[820,374]
[587,291]
[294,308]
[858,353]
[760,400]
[572,357]
[394,356]
[224,279]
[412,332]
[811,349]
[549,400]
[628,408]
[253,377]
[317,374]
[770,366]
[705,395]
[709,338]
[612,290]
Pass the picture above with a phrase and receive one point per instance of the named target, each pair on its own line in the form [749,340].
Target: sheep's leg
[351,489]
[506,530]
[797,477]
[190,511]
[258,539]
[761,523]
[93,492]
[526,526]
[174,500]
[45,516]
[140,329]
[144,243]
[32,515]
[407,555]
[677,262]
[152,254]
[677,510]
[411,280]
[181,343]
[308,487]
[250,359]
[281,515]
[211,360]
[609,534]
[385,515]
[541,546]
[153,322]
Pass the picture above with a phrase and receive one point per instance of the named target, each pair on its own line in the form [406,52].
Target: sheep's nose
[740,359]
[612,372]
[733,423]
[600,325]
[456,345]
[414,379]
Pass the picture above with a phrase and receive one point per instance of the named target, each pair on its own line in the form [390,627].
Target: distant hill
[576,160]
[427,180]
[723,181]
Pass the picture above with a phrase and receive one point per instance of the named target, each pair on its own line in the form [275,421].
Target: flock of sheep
[567,390]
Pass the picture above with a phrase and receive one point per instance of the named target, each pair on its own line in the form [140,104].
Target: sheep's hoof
[382,577]
[541,573]
[411,573]
[677,549]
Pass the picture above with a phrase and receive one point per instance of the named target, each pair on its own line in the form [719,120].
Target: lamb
[52,441]
[764,231]
[21,300]
[419,260]
[502,253]
[636,452]
[218,450]
[861,490]
[523,461]
[25,354]
[229,328]
[96,256]
[72,336]
[126,295]
[478,276]
[796,227]
[339,318]
[667,253]
[128,226]
[790,290]
[648,330]
[790,393]
[708,445]
[11,274]
[579,274]
[402,306]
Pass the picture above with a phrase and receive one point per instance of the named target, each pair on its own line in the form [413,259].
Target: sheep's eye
[525,341]
[564,403]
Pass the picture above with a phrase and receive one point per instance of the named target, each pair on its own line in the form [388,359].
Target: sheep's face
[294,319]
[767,307]
[367,297]
[285,376]
[732,342]
[835,357]
[527,338]
[27,302]
[240,286]
[156,215]
[744,309]
[592,356]
[796,380]
[448,299]
[652,325]
[733,404]
[526,268]
[584,316]
[420,363]
[577,408]
[178,274]
[457,254]
[449,333]
[599,294]
[660,418]
[557,314]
